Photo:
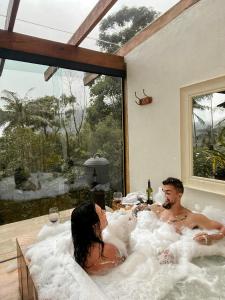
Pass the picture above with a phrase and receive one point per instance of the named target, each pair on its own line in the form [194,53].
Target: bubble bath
[147,273]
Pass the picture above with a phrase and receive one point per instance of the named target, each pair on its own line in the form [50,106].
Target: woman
[90,252]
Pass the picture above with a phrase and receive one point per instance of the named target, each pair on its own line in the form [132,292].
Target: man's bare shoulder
[204,222]
[197,216]
[157,208]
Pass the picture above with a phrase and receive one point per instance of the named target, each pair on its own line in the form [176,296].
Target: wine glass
[53,215]
[117,197]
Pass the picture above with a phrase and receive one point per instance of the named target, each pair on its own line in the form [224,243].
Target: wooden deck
[8,233]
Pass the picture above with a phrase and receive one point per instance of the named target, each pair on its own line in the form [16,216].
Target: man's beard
[167,205]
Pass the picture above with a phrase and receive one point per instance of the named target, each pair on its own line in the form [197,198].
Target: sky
[218,113]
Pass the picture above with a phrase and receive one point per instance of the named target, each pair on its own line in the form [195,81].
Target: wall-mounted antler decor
[143,101]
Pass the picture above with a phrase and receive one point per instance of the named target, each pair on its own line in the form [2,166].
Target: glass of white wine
[53,215]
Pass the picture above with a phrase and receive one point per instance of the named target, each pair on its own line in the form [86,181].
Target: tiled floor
[8,234]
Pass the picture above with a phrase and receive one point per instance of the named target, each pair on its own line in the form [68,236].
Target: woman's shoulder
[110,250]
[101,259]
[98,250]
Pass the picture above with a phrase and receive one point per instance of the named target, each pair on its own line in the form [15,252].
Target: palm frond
[27,93]
[200,120]
[220,122]
[10,95]
[38,120]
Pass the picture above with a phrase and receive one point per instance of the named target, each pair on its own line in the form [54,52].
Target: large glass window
[60,141]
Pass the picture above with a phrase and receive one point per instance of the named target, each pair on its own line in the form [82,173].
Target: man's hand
[138,208]
[166,257]
[203,238]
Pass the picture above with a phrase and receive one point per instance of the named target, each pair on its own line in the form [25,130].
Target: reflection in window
[60,142]
[208,120]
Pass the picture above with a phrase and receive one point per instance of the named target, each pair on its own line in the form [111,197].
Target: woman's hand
[203,238]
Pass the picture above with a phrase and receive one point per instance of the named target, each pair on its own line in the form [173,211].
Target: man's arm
[204,222]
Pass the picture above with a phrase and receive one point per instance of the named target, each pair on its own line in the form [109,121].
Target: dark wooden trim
[89,78]
[97,13]
[9,22]
[49,72]
[126,137]
[22,47]
[2,63]
[156,25]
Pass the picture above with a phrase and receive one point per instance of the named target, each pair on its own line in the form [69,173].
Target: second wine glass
[117,197]
[53,215]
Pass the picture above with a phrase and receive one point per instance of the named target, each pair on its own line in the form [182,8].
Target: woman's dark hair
[85,228]
[175,183]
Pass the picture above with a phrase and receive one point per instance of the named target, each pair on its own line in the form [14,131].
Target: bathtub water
[141,276]
[208,284]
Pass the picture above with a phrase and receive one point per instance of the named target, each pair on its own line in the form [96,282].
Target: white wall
[188,50]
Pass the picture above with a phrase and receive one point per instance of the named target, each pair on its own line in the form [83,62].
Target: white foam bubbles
[141,276]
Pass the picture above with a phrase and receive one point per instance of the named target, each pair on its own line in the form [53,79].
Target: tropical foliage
[208,138]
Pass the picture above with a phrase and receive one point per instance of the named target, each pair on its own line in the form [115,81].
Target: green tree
[15,113]
[104,114]
[24,147]
[43,114]
[197,106]
[118,28]
[70,118]
[77,105]
[115,31]
[21,112]
[208,157]
[107,140]
[31,136]
[106,97]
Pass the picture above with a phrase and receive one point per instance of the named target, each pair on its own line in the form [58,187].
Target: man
[174,213]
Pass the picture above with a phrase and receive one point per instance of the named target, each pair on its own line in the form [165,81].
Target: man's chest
[178,221]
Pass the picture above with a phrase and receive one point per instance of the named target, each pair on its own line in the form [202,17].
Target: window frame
[186,131]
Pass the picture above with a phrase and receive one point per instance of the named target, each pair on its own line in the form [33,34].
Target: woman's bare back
[99,261]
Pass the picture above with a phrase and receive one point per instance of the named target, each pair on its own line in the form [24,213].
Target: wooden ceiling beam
[97,13]
[22,47]
[9,23]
